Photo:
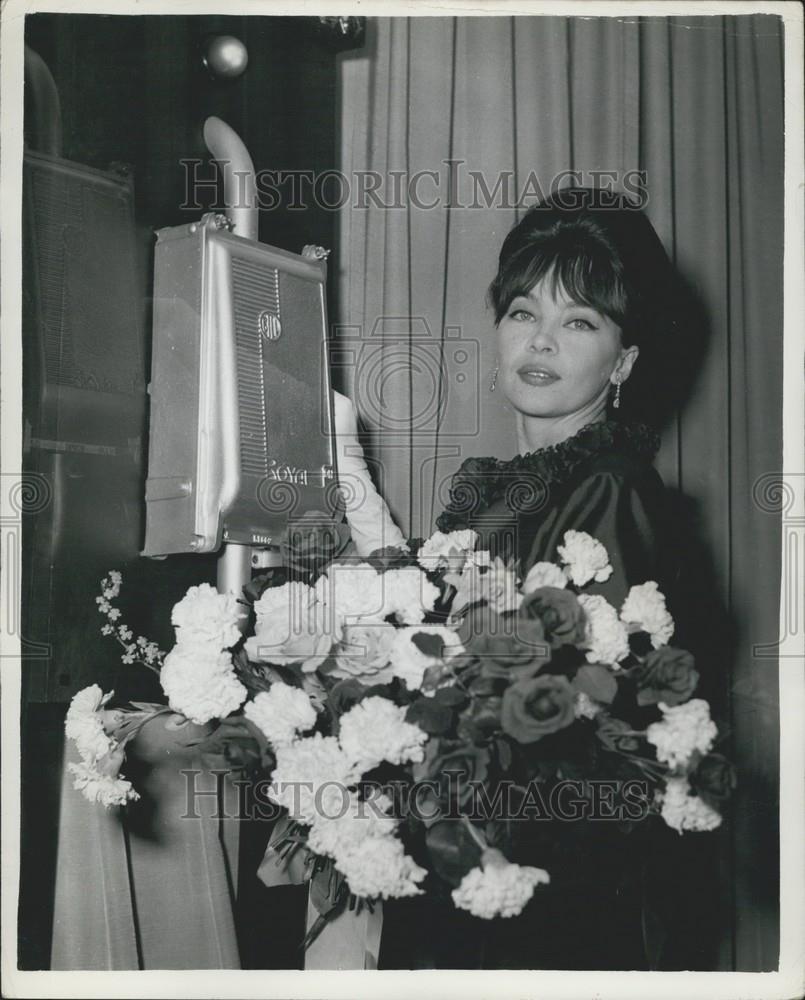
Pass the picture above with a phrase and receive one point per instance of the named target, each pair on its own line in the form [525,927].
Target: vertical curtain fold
[656,157]
[515,104]
[544,127]
[754,111]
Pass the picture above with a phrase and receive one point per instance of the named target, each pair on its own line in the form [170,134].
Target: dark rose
[480,719]
[345,695]
[505,645]
[456,766]
[666,675]
[714,778]
[536,707]
[559,611]
[312,540]
[615,734]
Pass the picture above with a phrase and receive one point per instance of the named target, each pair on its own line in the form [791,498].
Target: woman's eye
[521,315]
[581,324]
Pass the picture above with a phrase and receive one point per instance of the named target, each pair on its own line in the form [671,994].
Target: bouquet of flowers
[405,711]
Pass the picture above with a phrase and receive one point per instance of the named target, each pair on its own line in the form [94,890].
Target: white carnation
[203,615]
[498,888]
[585,557]
[100,781]
[84,724]
[447,550]
[311,778]
[352,593]
[606,638]
[379,867]
[644,610]
[683,811]
[409,663]
[375,730]
[350,826]
[685,729]
[200,682]
[281,713]
[269,639]
[544,574]
[408,594]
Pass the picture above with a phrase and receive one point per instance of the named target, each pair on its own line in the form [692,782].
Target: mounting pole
[240,198]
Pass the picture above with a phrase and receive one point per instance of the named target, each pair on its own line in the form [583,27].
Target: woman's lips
[537,375]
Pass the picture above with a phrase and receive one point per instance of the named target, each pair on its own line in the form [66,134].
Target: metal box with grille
[241,412]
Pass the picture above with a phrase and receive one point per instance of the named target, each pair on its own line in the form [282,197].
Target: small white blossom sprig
[139,650]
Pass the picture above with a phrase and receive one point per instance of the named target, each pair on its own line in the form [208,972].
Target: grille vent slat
[256,289]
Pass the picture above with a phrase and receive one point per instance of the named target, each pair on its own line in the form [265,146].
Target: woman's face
[557,357]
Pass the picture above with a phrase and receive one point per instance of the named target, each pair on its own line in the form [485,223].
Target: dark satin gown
[595,913]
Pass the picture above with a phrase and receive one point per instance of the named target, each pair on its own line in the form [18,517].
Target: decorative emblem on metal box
[269,325]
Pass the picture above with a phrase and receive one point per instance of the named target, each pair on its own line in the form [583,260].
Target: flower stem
[476,836]
[655,769]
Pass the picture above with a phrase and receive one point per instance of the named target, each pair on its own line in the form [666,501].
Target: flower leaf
[430,715]
[597,682]
[150,707]
[327,889]
[453,850]
[274,577]
[504,754]
[429,644]
[453,697]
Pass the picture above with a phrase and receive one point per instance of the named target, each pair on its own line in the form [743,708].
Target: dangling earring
[494,382]
[616,402]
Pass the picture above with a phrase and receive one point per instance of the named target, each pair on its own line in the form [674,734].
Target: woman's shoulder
[624,469]
[621,451]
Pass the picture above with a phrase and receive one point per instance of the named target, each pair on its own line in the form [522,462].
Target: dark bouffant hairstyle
[601,249]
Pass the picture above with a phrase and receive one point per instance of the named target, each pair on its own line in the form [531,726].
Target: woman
[584,289]
[582,283]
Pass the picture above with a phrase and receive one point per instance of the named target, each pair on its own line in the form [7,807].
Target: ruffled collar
[524,480]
